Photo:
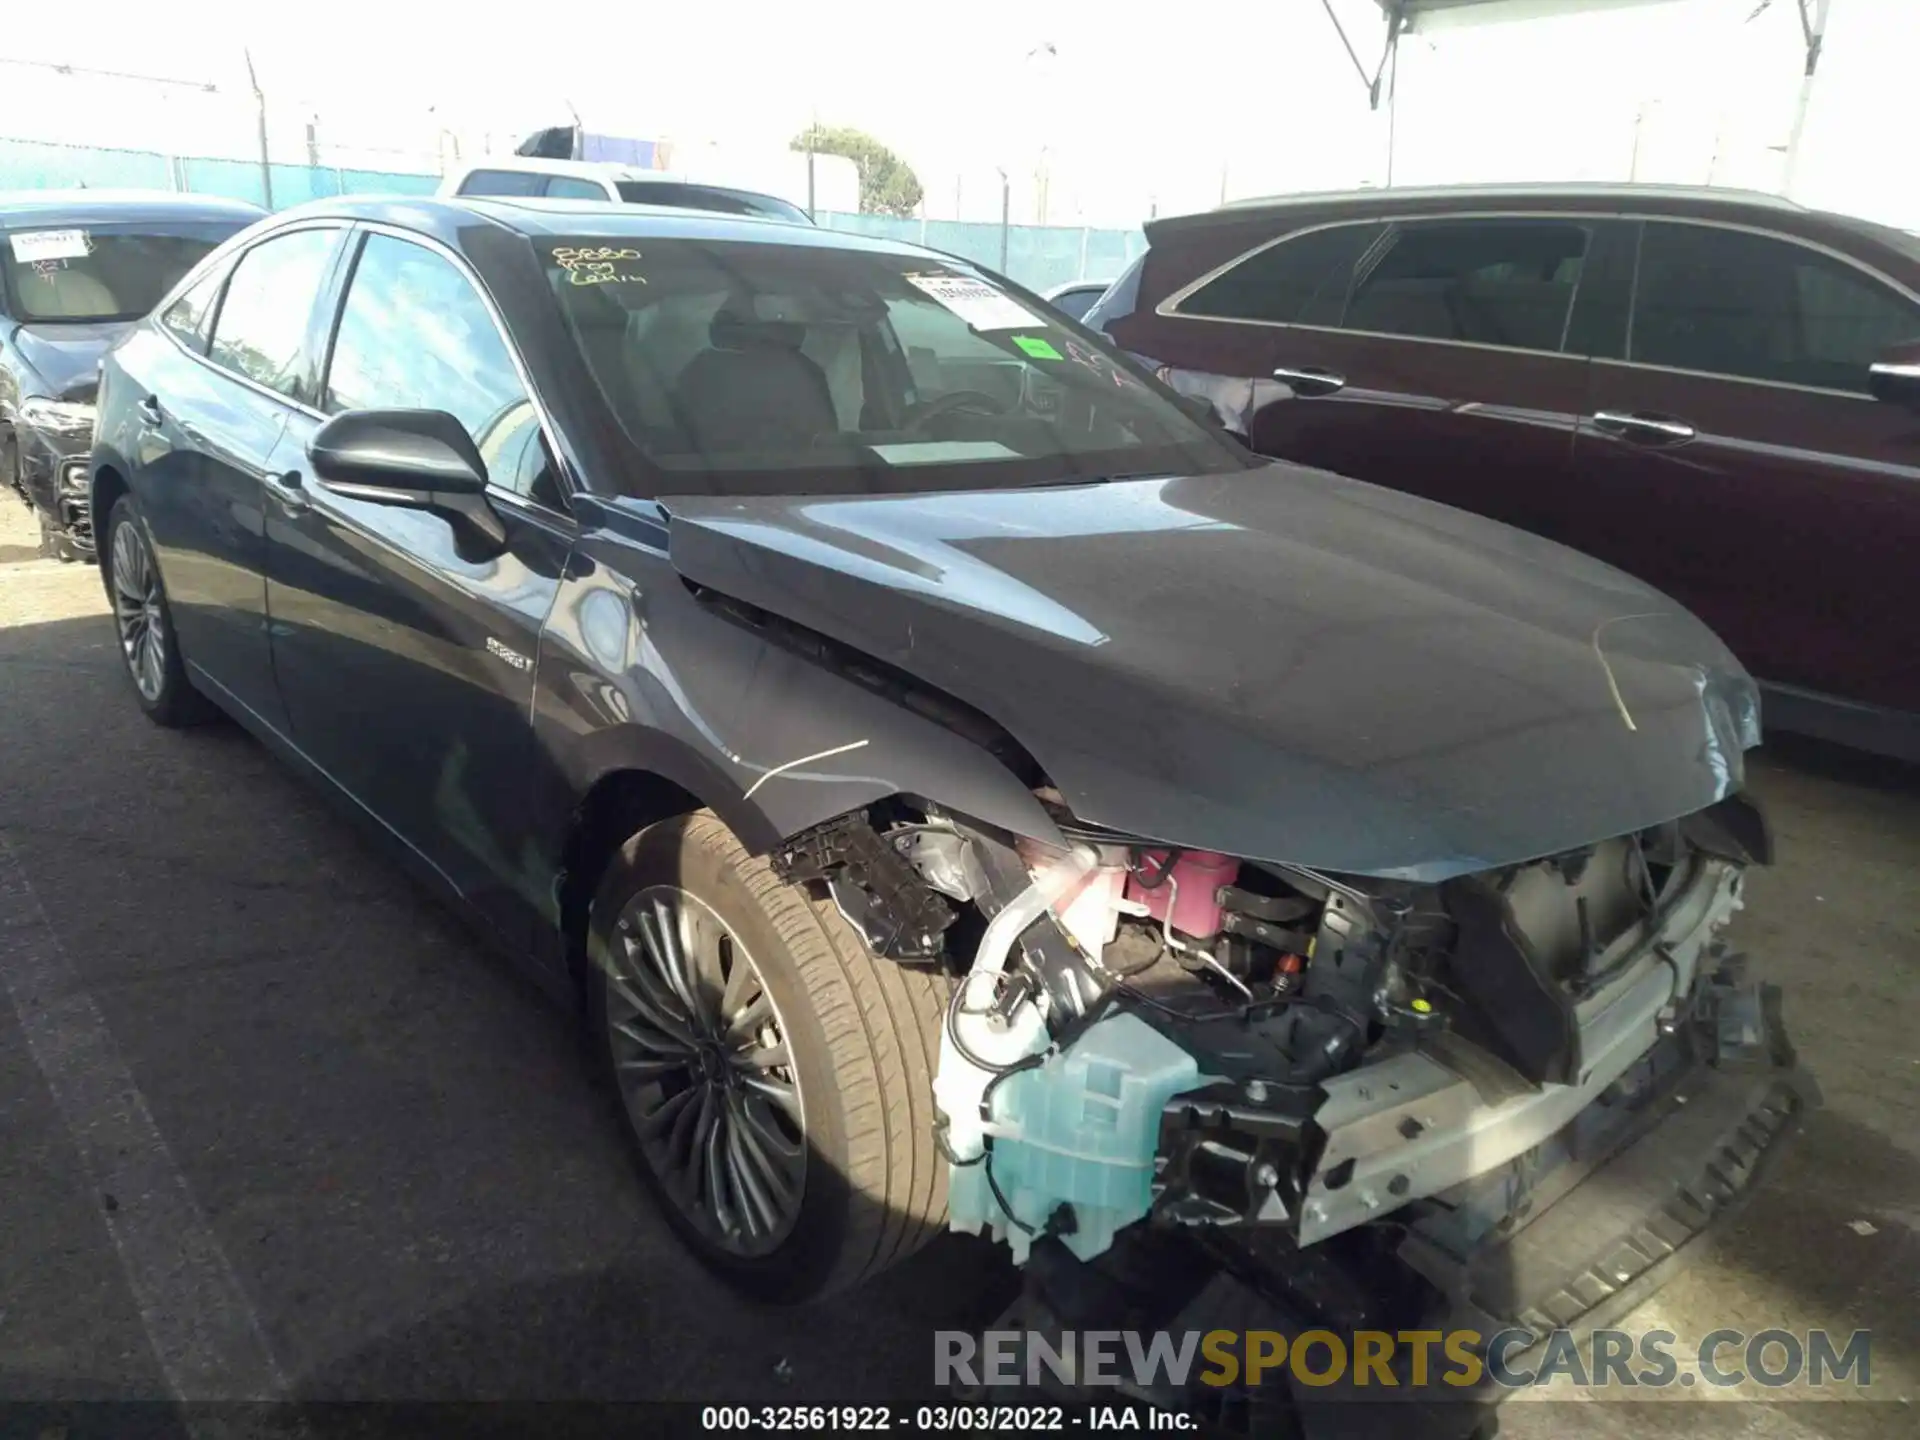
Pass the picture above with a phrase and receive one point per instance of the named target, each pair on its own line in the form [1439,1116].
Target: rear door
[1733,457]
[1435,361]
[210,425]
[405,652]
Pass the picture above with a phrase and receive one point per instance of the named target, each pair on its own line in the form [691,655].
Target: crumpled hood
[1280,664]
[67,357]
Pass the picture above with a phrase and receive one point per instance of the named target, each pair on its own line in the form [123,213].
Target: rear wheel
[145,624]
[774,1075]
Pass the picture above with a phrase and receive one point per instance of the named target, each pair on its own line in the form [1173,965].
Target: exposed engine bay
[1272,1056]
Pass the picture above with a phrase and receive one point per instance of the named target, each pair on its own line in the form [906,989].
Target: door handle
[150,412]
[1656,429]
[291,491]
[1310,380]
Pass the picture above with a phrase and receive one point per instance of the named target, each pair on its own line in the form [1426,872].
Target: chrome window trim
[1792,240]
[241,254]
[1404,339]
[1727,379]
[548,430]
[1168,308]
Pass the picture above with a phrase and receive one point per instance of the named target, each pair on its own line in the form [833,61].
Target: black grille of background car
[76,514]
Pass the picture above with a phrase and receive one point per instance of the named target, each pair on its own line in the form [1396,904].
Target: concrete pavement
[373,1163]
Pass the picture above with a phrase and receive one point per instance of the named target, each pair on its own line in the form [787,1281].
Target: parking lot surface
[361,1159]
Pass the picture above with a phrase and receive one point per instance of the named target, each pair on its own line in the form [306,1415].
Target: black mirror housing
[1895,376]
[420,459]
[421,452]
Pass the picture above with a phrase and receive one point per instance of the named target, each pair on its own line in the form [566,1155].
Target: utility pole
[260,117]
[1006,218]
[1813,30]
[813,135]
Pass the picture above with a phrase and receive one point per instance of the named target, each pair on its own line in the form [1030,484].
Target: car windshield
[76,273]
[709,197]
[768,368]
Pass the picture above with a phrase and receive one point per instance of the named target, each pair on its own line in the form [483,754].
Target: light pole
[1006,215]
[1009,145]
[1813,30]
[260,121]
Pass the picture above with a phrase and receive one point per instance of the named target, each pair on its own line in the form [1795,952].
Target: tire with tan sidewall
[863,1033]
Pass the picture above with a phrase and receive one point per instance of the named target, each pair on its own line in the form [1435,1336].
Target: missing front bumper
[1570,1236]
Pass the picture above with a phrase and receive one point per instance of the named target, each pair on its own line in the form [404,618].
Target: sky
[1125,110]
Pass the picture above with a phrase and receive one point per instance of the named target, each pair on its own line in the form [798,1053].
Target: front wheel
[145,624]
[775,1076]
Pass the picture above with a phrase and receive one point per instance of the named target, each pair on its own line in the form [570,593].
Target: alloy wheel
[700,1054]
[137,611]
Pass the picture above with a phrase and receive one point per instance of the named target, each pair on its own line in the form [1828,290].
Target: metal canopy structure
[1426,17]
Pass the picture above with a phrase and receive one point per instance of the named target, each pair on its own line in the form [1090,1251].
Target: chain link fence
[1038,256]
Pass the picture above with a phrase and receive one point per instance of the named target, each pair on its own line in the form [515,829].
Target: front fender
[635,673]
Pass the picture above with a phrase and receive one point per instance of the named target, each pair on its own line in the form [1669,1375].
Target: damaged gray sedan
[961,789]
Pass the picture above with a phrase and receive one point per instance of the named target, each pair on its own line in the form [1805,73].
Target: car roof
[1678,202]
[41,207]
[1570,190]
[587,169]
[444,217]
[1697,200]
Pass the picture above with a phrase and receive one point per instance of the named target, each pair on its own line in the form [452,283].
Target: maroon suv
[1716,391]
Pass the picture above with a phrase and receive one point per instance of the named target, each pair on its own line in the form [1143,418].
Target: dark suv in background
[1713,390]
[77,268]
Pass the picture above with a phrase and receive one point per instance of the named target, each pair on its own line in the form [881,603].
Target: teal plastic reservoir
[1081,1130]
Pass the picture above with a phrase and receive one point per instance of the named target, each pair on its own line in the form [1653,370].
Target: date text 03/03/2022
[940,1419]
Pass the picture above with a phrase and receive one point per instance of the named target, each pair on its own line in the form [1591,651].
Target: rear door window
[261,331]
[1301,280]
[504,182]
[1075,303]
[189,316]
[1485,282]
[572,187]
[1729,302]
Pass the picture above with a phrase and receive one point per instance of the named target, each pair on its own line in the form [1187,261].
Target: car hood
[1278,663]
[67,357]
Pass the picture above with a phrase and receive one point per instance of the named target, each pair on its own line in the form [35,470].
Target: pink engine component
[1198,876]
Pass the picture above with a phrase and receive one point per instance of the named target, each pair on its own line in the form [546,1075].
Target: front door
[1735,459]
[404,645]
[206,450]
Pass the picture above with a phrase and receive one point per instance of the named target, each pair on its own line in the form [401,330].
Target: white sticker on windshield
[943,452]
[976,302]
[32,245]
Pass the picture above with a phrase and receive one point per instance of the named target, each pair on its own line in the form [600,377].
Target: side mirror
[420,459]
[1895,376]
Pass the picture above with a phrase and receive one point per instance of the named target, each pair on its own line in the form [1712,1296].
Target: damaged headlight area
[1268,1061]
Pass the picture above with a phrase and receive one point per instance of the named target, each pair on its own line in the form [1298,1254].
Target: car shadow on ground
[1823,760]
